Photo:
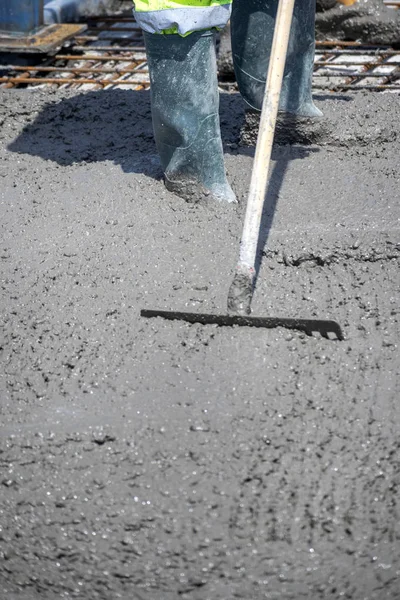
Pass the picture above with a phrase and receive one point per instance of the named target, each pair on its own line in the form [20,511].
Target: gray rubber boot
[185,102]
[252,29]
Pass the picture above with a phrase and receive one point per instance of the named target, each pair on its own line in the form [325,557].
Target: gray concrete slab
[149,459]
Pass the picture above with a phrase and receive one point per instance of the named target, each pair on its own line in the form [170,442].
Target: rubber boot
[252,30]
[185,103]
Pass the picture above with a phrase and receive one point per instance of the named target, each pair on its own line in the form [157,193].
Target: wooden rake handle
[269,113]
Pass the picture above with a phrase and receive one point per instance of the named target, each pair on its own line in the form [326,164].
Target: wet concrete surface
[368,21]
[162,460]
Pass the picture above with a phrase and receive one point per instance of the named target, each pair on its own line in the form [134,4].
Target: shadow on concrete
[116,126]
[90,127]
[282,156]
[112,125]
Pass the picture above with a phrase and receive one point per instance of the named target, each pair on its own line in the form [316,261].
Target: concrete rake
[241,290]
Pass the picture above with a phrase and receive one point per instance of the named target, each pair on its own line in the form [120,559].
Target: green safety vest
[181,16]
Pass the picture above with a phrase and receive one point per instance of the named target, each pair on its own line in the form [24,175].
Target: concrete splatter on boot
[185,103]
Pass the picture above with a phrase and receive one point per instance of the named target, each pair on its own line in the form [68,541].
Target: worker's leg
[185,102]
[252,27]
[180,44]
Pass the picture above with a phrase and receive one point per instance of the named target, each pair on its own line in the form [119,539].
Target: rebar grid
[111,54]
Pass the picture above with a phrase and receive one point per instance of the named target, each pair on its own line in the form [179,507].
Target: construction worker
[180,43]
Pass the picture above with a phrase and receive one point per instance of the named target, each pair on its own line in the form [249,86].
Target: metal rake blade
[308,326]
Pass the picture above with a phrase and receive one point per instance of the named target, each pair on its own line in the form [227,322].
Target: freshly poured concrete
[368,21]
[159,460]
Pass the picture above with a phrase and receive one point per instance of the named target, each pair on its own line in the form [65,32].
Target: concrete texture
[322,5]
[367,21]
[158,460]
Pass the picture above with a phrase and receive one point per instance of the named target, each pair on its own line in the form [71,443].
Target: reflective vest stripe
[149,5]
[182,19]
